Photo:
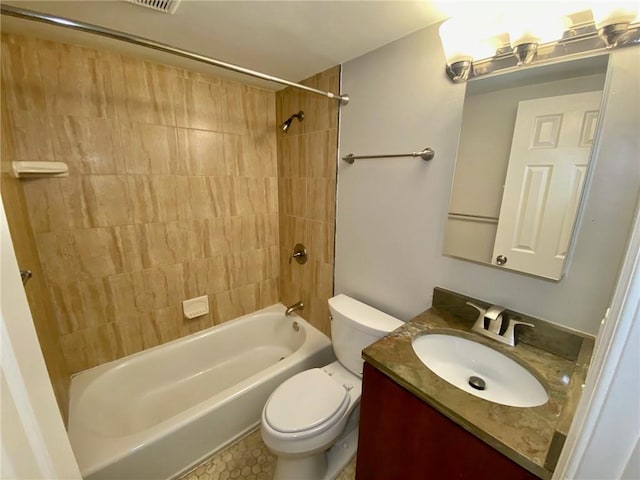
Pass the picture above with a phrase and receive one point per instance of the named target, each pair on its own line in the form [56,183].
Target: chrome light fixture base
[581,40]
[525,52]
[611,33]
[458,72]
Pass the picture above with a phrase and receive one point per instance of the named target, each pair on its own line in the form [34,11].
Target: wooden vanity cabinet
[403,438]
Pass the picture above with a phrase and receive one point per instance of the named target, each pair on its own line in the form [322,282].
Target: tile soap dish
[39,169]
[196,307]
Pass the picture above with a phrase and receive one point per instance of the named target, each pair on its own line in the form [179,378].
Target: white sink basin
[457,360]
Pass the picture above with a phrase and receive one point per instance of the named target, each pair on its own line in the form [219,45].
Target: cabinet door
[403,438]
[550,153]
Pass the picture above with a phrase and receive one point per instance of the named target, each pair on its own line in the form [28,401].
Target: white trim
[16,386]
[34,441]
[612,343]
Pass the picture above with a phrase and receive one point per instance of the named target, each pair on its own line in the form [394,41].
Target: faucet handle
[509,333]
[495,317]
[494,312]
[480,310]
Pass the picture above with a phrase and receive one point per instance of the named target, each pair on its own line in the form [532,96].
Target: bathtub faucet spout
[293,308]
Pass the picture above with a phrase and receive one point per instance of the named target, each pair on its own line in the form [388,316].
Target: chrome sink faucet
[296,306]
[496,316]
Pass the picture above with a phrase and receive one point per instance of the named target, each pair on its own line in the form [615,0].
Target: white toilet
[311,421]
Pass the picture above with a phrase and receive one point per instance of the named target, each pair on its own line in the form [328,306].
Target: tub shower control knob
[25,275]
[299,253]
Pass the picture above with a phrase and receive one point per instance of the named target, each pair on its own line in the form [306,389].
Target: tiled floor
[248,459]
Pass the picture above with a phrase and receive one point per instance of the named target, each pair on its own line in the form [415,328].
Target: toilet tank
[354,326]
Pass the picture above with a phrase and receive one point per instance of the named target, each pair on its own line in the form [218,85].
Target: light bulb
[486,47]
[612,19]
[612,13]
[536,28]
[456,43]
[467,39]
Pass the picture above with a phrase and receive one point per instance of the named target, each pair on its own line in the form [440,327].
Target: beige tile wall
[172,194]
[307,168]
[23,238]
[36,289]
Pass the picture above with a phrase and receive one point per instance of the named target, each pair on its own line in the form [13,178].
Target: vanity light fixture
[453,34]
[463,41]
[612,23]
[538,37]
[524,52]
[524,41]
[528,32]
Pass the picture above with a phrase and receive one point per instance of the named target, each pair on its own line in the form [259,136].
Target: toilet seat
[306,404]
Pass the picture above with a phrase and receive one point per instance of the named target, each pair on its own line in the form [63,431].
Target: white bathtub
[157,413]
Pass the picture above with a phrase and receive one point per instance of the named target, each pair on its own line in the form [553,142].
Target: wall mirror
[522,165]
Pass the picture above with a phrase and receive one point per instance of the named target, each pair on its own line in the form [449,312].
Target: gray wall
[391,213]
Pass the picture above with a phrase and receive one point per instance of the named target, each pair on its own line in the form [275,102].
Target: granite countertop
[532,437]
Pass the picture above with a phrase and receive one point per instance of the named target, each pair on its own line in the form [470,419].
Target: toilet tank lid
[363,315]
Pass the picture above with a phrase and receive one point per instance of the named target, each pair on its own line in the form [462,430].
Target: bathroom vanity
[414,424]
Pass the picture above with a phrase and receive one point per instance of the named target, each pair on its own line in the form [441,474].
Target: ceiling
[287,39]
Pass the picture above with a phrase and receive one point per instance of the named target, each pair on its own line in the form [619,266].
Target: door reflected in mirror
[522,166]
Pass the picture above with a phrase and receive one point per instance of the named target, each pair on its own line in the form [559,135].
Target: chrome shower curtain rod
[144,42]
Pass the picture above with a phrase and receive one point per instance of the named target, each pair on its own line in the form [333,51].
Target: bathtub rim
[276,308]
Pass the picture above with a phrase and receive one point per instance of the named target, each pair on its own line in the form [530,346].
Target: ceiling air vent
[166,6]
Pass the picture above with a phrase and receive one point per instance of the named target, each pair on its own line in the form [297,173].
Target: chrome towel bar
[426,153]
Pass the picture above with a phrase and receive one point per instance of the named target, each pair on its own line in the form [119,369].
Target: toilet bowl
[310,422]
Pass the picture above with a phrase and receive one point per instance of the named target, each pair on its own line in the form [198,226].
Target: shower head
[287,123]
